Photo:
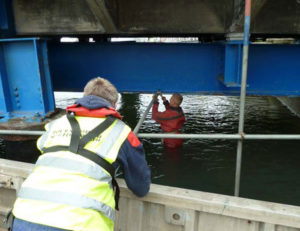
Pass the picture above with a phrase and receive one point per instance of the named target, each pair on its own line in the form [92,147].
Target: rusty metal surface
[25,124]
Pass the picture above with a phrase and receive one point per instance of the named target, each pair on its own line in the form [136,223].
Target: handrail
[243,95]
[139,124]
[21,132]
[183,136]
[223,136]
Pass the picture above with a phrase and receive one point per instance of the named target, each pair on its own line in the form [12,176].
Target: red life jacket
[99,112]
[171,121]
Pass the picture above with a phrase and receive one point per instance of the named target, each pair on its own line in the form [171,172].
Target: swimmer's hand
[154,96]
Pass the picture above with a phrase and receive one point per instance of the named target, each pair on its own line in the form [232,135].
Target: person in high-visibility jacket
[72,185]
[171,120]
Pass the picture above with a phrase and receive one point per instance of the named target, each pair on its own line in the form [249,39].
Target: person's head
[176,100]
[103,88]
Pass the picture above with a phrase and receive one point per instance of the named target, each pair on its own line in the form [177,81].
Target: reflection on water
[270,169]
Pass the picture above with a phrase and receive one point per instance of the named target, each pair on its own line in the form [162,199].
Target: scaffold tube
[222,136]
[247,21]
[182,136]
[139,124]
[21,132]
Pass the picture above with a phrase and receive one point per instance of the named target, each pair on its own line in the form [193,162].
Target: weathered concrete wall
[63,17]
[172,209]
[176,16]
[278,17]
[292,103]
[55,17]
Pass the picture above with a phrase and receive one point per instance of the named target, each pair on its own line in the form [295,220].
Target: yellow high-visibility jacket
[68,189]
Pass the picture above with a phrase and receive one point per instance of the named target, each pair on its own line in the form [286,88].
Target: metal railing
[141,120]
[209,136]
[243,95]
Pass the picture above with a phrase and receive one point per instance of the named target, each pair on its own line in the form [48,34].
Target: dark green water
[270,169]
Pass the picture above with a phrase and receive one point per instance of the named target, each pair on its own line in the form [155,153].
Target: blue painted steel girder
[210,68]
[25,84]
[205,68]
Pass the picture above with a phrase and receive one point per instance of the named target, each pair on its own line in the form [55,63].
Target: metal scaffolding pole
[243,96]
[271,137]
[182,136]
[21,132]
[139,124]
[191,136]
[221,136]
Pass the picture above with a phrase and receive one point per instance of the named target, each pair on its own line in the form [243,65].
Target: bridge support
[201,68]
[25,84]
[233,64]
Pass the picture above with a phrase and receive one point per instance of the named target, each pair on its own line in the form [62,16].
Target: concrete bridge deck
[135,17]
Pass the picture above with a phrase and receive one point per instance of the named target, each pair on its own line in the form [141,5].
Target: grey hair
[103,88]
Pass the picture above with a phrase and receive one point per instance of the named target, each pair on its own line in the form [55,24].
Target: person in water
[171,120]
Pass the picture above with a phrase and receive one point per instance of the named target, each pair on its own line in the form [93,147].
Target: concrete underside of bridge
[136,17]
[292,103]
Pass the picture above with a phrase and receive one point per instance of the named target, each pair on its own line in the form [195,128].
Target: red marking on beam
[248,8]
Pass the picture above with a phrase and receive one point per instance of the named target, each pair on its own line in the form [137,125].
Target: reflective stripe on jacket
[67,190]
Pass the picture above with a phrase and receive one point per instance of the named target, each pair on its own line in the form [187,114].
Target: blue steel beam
[25,87]
[233,64]
[204,68]
[139,67]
